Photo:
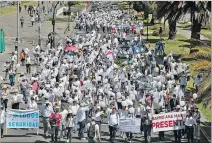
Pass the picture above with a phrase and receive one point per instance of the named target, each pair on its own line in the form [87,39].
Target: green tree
[174,10]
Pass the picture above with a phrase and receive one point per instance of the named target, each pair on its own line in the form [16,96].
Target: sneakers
[83,138]
[67,141]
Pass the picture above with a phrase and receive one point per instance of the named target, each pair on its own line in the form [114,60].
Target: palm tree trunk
[172,29]
[195,30]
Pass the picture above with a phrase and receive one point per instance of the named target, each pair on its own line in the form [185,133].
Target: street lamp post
[53,24]
[17,28]
[69,15]
[39,25]
[147,27]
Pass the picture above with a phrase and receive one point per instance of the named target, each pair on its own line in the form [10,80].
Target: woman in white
[2,120]
[69,123]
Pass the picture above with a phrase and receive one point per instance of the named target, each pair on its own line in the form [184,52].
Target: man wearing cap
[81,119]
[113,122]
[55,121]
[2,120]
[46,111]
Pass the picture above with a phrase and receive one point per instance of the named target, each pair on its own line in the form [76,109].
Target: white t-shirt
[96,128]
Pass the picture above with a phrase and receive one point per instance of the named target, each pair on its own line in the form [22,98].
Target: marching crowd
[82,83]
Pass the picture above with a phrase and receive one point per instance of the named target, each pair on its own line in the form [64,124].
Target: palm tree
[174,10]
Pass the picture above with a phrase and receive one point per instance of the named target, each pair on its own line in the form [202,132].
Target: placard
[22,119]
[131,125]
[168,121]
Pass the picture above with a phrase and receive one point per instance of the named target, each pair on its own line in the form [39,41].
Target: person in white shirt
[46,111]
[69,124]
[93,131]
[28,64]
[2,120]
[64,113]
[113,122]
[139,110]
[98,117]
[81,120]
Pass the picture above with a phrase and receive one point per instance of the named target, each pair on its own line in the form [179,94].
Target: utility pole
[53,23]
[39,24]
[17,28]
[69,15]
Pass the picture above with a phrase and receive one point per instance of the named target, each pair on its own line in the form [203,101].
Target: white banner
[168,121]
[22,119]
[129,125]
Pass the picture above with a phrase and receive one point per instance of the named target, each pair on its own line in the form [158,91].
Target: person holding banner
[15,100]
[113,121]
[177,133]
[46,111]
[146,123]
[2,120]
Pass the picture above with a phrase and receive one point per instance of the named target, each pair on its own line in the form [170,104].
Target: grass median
[7,10]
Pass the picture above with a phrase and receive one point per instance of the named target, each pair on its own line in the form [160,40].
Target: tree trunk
[172,29]
[195,30]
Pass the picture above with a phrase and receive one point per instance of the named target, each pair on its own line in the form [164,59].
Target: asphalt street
[25,135]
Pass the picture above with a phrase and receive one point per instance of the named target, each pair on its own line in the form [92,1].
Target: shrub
[155,33]
[199,52]
[203,65]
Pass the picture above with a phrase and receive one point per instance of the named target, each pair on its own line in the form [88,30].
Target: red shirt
[133,27]
[58,117]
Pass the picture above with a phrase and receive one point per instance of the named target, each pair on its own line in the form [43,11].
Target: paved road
[22,135]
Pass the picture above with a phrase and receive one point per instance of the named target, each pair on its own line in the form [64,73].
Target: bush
[203,65]
[199,52]
[155,33]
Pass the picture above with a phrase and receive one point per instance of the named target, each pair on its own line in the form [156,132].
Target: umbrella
[70,48]
[110,53]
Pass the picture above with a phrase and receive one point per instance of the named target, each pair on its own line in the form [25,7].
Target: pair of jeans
[190,133]
[28,68]
[24,91]
[46,125]
[129,135]
[147,133]
[113,130]
[5,101]
[177,135]
[75,124]
[62,131]
[81,128]
[12,80]
[161,135]
[197,132]
[54,133]
[69,133]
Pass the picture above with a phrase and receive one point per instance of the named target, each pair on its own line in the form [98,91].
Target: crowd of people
[79,87]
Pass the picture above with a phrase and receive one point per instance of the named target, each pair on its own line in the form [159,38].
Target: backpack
[91,131]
